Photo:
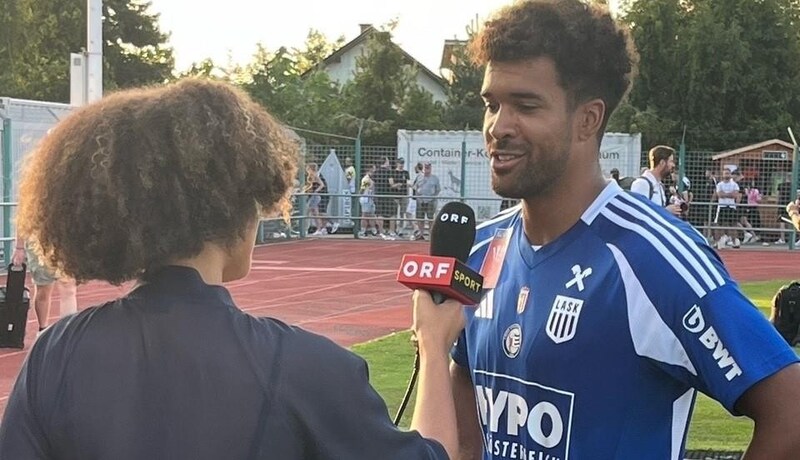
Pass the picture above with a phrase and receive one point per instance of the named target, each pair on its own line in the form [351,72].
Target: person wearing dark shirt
[383,202]
[399,182]
[179,175]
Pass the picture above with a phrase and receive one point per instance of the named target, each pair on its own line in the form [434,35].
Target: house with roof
[341,65]
[768,163]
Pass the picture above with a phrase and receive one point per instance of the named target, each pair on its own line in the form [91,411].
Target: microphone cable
[410,389]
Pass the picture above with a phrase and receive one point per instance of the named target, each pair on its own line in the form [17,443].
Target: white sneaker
[780,241]
[335,227]
[748,237]
[722,242]
[736,243]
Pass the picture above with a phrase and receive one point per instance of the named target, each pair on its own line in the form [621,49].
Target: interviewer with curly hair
[164,186]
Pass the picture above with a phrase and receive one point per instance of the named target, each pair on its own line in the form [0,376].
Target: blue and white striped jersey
[594,345]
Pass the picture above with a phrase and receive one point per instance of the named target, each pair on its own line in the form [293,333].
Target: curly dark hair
[147,176]
[594,57]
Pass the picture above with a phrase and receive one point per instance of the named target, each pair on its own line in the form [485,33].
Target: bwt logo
[426,269]
[694,322]
[455,218]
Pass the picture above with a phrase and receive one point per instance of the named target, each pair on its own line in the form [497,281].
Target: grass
[391,359]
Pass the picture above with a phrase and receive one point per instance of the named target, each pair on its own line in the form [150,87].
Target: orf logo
[425,269]
[563,319]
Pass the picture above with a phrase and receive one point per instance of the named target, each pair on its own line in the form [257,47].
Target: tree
[384,93]
[464,104]
[315,50]
[34,64]
[309,100]
[726,70]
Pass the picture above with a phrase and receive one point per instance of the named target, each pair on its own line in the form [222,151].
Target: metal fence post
[7,188]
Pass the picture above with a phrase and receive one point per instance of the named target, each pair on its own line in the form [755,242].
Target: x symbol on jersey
[579,277]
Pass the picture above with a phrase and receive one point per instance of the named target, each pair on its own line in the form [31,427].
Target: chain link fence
[24,124]
[762,173]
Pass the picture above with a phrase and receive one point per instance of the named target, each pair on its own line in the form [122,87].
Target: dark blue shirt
[175,370]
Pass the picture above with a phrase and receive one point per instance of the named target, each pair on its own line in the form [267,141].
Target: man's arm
[470,437]
[18,257]
[774,405]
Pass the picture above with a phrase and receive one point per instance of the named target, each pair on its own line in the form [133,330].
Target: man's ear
[589,119]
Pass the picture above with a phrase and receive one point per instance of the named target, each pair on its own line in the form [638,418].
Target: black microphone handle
[438,297]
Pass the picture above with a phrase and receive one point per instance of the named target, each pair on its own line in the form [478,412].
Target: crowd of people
[727,210]
[393,204]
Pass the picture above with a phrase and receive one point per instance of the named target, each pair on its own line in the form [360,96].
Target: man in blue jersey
[604,315]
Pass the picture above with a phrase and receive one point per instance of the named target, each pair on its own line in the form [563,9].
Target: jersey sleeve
[702,330]
[327,395]
[732,344]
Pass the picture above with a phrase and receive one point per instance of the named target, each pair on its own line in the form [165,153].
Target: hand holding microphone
[436,326]
[442,284]
[443,272]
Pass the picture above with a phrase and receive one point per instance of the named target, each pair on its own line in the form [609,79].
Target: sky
[230,29]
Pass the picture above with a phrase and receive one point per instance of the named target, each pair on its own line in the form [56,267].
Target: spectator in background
[650,183]
[785,195]
[727,220]
[369,224]
[350,174]
[411,211]
[312,187]
[44,279]
[793,213]
[399,183]
[615,174]
[384,202]
[750,215]
[427,189]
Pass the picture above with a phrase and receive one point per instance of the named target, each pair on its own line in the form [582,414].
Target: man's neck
[548,217]
[657,174]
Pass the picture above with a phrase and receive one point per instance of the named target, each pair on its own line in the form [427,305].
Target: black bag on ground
[14,303]
[786,312]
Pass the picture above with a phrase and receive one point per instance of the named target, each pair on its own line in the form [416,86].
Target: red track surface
[345,289]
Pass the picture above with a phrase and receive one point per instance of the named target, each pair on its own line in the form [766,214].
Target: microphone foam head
[453,231]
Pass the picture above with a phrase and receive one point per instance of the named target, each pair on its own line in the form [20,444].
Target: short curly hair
[147,176]
[594,56]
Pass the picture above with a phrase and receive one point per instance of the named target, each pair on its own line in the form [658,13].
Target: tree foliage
[725,70]
[464,104]
[37,37]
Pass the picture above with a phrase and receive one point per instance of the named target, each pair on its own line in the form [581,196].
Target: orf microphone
[443,272]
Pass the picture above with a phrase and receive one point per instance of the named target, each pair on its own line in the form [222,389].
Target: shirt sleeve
[731,344]
[21,435]
[328,395]
[640,186]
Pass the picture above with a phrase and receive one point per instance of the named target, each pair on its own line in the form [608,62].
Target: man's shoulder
[487,230]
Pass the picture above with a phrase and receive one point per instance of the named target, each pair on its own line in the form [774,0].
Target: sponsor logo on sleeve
[694,322]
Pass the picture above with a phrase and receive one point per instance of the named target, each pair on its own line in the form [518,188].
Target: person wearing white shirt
[650,185]
[727,195]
